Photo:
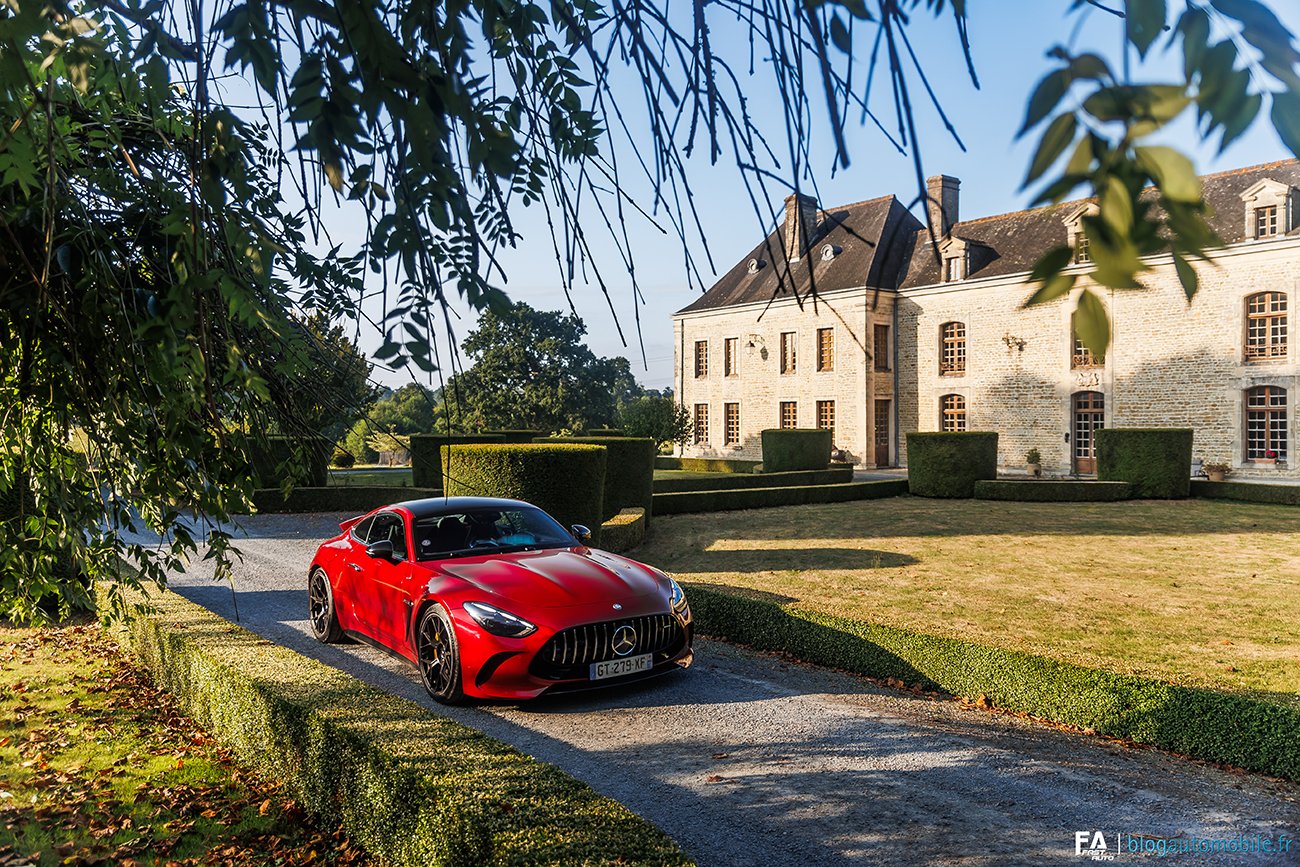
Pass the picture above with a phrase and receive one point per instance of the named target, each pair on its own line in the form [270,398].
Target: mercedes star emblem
[618,607]
[624,640]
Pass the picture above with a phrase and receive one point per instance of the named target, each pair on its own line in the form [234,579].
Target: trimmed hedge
[272,461]
[1157,461]
[514,437]
[1216,726]
[565,480]
[426,455]
[949,464]
[337,498]
[624,531]
[629,470]
[731,481]
[706,465]
[1053,492]
[1286,495]
[789,449]
[411,787]
[606,432]
[765,498]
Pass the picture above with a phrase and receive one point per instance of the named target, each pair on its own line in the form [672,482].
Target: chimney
[941,204]
[800,224]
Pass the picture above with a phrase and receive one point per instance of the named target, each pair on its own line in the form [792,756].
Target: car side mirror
[581,533]
[381,550]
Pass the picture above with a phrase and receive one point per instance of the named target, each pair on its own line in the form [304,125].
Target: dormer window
[1269,210]
[1082,250]
[954,269]
[1075,236]
[1266,222]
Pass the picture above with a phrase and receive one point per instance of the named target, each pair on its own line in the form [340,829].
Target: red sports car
[494,599]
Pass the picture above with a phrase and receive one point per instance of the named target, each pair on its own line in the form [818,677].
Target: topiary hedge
[566,480]
[1053,491]
[706,465]
[949,464]
[731,481]
[427,469]
[606,432]
[766,498]
[409,786]
[624,531]
[514,437]
[629,470]
[1157,461]
[789,449]
[1221,727]
[337,498]
[275,462]
[1287,495]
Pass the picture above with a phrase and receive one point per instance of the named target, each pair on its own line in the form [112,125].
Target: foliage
[786,449]
[661,419]
[278,461]
[408,410]
[1221,727]
[706,465]
[1052,491]
[1033,456]
[342,459]
[411,787]
[532,370]
[949,464]
[732,481]
[1110,125]
[629,471]
[624,531]
[338,389]
[517,436]
[354,499]
[565,481]
[1250,492]
[734,499]
[1217,467]
[1157,461]
[427,467]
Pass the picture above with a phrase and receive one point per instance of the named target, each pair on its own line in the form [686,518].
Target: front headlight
[678,597]
[499,622]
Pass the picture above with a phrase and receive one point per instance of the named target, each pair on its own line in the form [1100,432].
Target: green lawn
[1194,591]
[369,476]
[97,766]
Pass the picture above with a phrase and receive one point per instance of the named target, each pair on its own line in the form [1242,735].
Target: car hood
[551,579]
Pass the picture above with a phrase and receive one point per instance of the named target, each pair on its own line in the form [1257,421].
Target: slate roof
[872,238]
[1014,242]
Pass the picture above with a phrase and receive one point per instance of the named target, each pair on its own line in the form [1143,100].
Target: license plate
[620,667]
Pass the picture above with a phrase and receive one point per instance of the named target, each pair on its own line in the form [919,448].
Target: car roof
[433,507]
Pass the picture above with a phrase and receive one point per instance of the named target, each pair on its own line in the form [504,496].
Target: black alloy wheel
[324,619]
[439,656]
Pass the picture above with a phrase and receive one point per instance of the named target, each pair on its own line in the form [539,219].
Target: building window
[1266,222]
[1082,250]
[954,269]
[826,414]
[1083,357]
[954,412]
[731,423]
[729,357]
[880,347]
[825,348]
[701,358]
[701,423]
[789,342]
[1266,326]
[1266,423]
[952,352]
[789,414]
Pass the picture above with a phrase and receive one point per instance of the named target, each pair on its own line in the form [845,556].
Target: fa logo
[1093,844]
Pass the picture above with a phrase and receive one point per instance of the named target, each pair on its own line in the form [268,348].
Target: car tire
[321,613]
[437,654]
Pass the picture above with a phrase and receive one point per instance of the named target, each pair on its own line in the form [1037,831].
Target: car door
[387,581]
[351,590]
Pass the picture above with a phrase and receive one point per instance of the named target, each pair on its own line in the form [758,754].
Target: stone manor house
[896,339]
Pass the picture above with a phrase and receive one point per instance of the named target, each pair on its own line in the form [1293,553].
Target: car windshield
[476,531]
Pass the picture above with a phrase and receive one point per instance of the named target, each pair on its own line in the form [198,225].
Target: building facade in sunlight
[848,318]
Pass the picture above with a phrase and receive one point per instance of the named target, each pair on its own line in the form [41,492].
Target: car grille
[570,651]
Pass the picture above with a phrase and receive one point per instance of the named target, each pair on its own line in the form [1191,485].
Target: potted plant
[1216,470]
[1034,463]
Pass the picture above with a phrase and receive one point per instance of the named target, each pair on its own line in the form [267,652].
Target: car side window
[393,528]
[360,530]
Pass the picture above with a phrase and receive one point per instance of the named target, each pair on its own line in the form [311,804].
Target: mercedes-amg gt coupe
[494,599]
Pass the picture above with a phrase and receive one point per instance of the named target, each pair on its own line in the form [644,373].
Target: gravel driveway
[748,759]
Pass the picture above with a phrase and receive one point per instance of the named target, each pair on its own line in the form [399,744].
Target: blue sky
[1009,42]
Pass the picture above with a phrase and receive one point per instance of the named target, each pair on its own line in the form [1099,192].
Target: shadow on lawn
[793,559]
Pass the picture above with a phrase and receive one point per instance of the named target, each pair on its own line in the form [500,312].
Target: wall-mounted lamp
[1013,342]
[754,341]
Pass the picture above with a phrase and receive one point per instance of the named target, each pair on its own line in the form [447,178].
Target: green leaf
[1240,120]
[1186,276]
[1116,263]
[1090,66]
[1055,140]
[1046,97]
[1143,21]
[1091,324]
[1054,288]
[1195,27]
[840,35]
[1173,172]
[1286,119]
[1117,206]
[1050,263]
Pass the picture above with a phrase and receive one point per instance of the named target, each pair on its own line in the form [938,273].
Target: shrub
[410,787]
[514,437]
[763,498]
[788,449]
[606,432]
[629,471]
[1221,727]
[1053,492]
[706,465]
[949,464]
[730,481]
[1157,461]
[337,498]
[342,458]
[563,479]
[280,459]
[427,469]
[624,531]
[1287,495]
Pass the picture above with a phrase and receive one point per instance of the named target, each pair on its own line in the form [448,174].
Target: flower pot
[1215,475]
[1034,470]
